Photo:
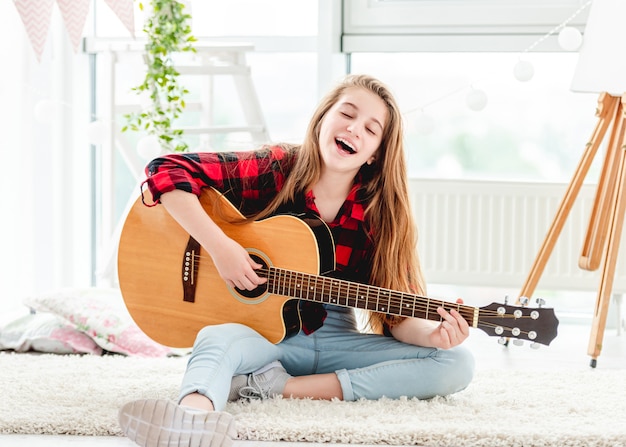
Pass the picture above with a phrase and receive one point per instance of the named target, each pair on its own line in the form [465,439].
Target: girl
[350,171]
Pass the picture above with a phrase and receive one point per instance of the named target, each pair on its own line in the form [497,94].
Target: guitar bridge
[189,276]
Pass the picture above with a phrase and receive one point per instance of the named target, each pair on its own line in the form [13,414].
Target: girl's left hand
[452,330]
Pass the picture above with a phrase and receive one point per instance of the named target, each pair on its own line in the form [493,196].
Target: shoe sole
[162,423]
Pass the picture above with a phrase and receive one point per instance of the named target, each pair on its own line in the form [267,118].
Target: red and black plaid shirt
[250,180]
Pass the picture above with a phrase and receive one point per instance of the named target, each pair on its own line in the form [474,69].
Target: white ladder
[210,60]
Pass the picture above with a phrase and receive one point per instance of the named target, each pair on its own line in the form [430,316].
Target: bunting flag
[74,14]
[36,18]
[125,12]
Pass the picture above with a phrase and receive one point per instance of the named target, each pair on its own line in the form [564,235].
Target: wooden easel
[602,240]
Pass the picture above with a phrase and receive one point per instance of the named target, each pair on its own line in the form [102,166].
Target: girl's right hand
[232,261]
[235,265]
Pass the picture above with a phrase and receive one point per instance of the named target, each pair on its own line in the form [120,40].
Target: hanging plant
[168,33]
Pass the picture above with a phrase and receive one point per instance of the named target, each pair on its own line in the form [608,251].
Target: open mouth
[344,146]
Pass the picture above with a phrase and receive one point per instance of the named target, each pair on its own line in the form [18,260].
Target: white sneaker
[262,384]
[163,423]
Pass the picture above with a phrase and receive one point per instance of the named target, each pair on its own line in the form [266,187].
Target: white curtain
[45,162]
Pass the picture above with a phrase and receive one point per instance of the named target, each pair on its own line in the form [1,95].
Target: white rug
[50,394]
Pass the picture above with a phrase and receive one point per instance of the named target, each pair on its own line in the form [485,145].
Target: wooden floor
[567,352]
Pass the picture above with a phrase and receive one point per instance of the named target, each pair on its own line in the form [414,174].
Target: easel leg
[614,231]
[607,108]
[598,230]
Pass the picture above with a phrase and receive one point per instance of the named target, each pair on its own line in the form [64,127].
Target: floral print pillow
[44,332]
[100,313]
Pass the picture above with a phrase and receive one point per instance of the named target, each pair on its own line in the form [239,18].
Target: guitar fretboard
[339,292]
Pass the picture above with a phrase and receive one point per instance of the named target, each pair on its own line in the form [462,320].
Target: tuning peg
[535,345]
[524,300]
[506,299]
[518,342]
[540,302]
[503,341]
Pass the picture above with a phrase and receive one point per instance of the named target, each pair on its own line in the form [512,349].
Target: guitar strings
[399,300]
[293,280]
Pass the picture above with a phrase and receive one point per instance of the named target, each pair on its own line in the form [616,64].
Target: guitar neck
[344,293]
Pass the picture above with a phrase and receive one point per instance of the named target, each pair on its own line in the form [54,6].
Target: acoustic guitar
[172,288]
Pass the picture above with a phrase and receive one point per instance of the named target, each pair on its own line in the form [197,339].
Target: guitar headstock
[538,324]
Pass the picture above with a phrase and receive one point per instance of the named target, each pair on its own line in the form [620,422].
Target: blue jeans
[368,366]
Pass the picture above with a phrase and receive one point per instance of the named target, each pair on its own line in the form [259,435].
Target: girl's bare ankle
[197,401]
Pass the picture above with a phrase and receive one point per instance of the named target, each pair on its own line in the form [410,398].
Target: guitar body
[172,288]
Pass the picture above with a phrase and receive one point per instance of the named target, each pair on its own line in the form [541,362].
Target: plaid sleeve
[243,175]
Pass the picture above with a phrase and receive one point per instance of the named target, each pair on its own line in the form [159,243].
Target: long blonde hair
[395,263]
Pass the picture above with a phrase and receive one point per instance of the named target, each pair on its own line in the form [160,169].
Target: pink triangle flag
[74,13]
[36,18]
[124,11]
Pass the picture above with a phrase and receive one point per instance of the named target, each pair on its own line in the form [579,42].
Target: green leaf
[168,31]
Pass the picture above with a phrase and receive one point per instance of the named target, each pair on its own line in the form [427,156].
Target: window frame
[456,25]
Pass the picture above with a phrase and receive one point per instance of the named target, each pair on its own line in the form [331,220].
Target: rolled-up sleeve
[249,175]
[189,172]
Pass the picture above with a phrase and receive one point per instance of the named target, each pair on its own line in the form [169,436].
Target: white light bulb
[149,147]
[476,100]
[523,71]
[570,38]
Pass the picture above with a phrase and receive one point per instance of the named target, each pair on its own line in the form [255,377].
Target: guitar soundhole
[255,293]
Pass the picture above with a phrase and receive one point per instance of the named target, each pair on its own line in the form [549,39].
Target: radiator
[486,233]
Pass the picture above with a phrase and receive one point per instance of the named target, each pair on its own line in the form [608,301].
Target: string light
[569,39]
[523,71]
[476,100]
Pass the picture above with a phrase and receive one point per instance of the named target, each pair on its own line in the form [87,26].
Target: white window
[534,130]
[453,25]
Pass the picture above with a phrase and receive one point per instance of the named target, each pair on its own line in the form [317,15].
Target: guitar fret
[315,289]
[392,308]
[351,292]
[299,285]
[406,306]
[285,278]
[287,283]
[279,282]
[379,307]
[325,294]
[308,287]
[343,299]
[270,283]
[377,297]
